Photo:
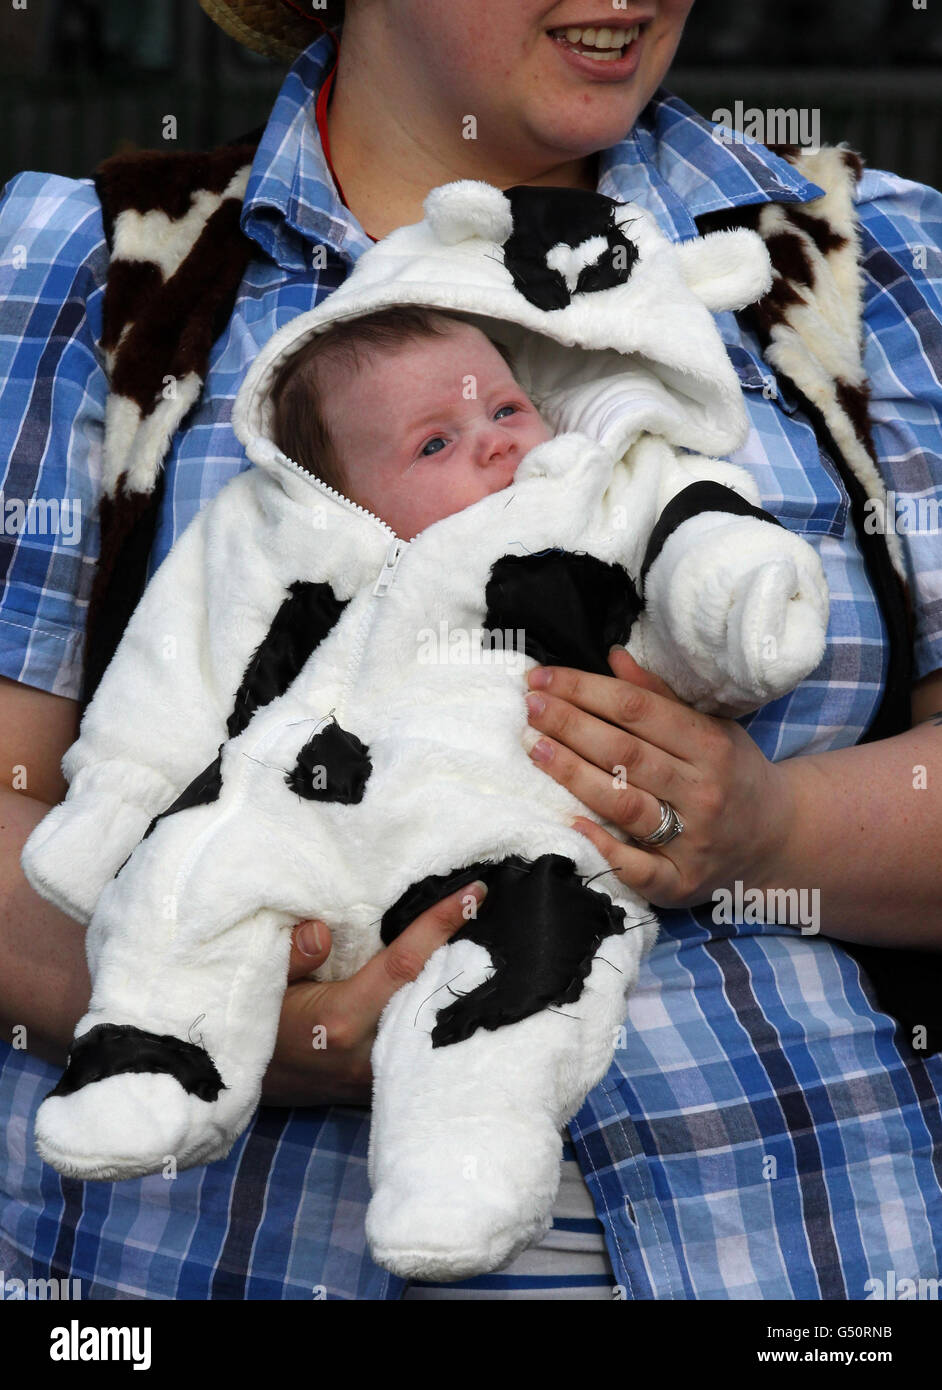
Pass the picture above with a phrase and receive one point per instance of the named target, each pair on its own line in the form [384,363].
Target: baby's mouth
[603,45]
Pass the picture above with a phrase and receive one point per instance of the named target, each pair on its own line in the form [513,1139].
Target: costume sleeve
[53,388]
[734,606]
[156,720]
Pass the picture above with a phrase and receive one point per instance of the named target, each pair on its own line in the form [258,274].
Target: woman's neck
[386,164]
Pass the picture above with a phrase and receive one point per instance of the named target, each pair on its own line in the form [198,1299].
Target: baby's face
[427,428]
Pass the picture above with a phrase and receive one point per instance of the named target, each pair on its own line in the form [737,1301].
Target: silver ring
[670,826]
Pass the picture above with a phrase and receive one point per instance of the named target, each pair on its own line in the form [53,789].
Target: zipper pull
[387,574]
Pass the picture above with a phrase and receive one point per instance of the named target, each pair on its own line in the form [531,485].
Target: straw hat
[276,28]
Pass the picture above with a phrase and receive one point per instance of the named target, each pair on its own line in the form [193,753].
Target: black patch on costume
[336,757]
[540,924]
[301,624]
[572,608]
[544,217]
[111,1048]
[204,788]
[698,497]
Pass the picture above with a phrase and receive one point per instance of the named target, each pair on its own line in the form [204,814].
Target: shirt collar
[291,203]
[673,162]
[678,166]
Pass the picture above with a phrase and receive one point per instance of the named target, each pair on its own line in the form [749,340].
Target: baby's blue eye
[438,439]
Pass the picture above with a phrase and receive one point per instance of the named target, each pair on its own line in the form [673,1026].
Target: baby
[274,671]
[410,413]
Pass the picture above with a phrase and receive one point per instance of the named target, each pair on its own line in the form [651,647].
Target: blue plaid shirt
[760,1133]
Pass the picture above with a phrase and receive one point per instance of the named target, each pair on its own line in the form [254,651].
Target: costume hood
[609,323]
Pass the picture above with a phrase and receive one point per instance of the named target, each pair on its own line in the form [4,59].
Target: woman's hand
[343,1015]
[622,745]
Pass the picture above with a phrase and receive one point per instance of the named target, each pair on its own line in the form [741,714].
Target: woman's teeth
[604,45]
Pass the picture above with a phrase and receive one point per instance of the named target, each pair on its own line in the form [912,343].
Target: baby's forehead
[469,334]
[474,336]
[452,340]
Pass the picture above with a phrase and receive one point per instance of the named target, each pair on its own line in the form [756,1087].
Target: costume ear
[469,208]
[726,270]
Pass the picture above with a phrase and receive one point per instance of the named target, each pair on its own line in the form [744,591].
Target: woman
[761,1134]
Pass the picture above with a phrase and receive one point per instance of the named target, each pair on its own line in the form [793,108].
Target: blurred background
[82,79]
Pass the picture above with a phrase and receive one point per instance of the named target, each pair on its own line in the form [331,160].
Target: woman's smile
[607,53]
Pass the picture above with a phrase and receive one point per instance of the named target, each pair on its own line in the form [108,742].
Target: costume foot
[123,1127]
[455,1210]
[417,1239]
[131,1102]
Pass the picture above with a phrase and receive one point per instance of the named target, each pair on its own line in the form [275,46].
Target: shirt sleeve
[53,388]
[901,233]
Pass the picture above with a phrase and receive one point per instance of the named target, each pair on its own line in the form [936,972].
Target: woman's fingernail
[529,736]
[542,751]
[307,938]
[540,676]
[478,888]
[617,647]
[536,704]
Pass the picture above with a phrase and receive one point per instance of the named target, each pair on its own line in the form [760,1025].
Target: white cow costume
[309,715]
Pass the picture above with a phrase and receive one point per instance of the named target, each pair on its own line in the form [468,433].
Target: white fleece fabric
[191,938]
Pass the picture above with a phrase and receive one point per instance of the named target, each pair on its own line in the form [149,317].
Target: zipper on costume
[384,580]
[321,486]
[387,575]
[397,546]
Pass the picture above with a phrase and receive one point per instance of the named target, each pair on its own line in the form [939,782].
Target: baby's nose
[496,443]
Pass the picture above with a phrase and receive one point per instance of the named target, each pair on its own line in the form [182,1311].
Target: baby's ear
[726,270]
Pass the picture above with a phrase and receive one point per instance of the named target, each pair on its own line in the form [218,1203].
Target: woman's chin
[578,130]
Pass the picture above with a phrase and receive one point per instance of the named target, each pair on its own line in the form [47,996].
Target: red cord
[320,115]
[305,14]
